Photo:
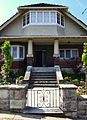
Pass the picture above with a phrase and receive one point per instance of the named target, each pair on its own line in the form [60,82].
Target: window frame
[70,53]
[18,56]
[43,23]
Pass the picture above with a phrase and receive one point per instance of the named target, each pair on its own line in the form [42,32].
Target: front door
[40,58]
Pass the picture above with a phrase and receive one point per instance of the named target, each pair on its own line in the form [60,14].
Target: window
[53,17]
[17,51]
[33,17]
[62,20]
[68,53]
[21,52]
[74,53]
[58,18]
[62,53]
[39,17]
[24,20]
[43,17]
[46,17]
[14,52]
[28,18]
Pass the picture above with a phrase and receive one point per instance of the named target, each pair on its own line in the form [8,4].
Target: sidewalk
[12,116]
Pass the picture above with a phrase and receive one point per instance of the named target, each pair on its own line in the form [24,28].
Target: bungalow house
[44,35]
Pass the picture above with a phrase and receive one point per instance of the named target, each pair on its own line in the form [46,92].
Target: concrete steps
[43,77]
[29,110]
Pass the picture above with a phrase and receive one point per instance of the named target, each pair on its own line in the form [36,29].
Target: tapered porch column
[30,53]
[56,54]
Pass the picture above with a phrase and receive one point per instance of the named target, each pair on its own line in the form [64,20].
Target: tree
[84,59]
[7,60]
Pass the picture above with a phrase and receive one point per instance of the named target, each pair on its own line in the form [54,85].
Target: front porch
[48,51]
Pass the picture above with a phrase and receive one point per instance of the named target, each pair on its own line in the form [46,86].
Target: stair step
[43,73]
[43,85]
[43,82]
[45,79]
[30,110]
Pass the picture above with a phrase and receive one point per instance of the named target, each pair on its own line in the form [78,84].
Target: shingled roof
[43,5]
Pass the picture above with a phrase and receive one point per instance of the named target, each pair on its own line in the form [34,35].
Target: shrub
[78,93]
[75,81]
[3,82]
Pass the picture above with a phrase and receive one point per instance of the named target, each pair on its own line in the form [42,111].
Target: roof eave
[23,8]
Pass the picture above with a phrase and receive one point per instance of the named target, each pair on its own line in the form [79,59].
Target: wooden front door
[40,58]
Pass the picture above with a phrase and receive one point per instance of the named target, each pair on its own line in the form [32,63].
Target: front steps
[30,110]
[43,77]
[43,92]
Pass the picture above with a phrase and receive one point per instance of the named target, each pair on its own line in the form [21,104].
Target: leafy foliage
[84,56]
[7,60]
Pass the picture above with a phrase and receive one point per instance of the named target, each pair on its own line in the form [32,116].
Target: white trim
[43,23]
[19,8]
[18,46]
[10,20]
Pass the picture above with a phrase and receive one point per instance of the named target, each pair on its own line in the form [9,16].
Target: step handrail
[59,75]
[28,73]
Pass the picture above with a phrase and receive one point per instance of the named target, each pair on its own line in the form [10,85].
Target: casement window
[58,18]
[53,17]
[33,17]
[25,19]
[17,51]
[68,53]
[39,17]
[62,20]
[62,53]
[43,18]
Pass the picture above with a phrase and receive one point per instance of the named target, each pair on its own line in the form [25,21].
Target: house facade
[44,35]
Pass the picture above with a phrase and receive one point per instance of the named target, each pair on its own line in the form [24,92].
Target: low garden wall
[12,97]
[82,107]
[68,99]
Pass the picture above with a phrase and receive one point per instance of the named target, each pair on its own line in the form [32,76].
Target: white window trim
[18,52]
[43,18]
[70,53]
[26,19]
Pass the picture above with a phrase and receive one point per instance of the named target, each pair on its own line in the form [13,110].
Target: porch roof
[44,37]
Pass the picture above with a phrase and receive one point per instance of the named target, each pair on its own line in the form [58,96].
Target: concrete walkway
[12,116]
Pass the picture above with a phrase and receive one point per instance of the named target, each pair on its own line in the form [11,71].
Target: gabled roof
[42,5]
[9,20]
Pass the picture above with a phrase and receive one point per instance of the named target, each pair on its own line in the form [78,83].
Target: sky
[9,7]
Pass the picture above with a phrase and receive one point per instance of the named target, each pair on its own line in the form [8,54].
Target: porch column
[30,53]
[56,54]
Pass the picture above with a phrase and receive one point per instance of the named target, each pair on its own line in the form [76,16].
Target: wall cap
[69,86]
[12,86]
[82,97]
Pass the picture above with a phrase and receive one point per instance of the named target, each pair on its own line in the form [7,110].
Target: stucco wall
[71,29]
